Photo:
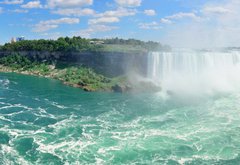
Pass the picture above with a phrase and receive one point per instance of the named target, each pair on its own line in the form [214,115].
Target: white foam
[55,104]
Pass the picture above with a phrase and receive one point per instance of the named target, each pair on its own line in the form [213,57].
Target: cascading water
[195,71]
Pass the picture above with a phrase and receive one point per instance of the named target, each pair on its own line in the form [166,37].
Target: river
[45,122]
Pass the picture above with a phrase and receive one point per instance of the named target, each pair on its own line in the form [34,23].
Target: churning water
[45,122]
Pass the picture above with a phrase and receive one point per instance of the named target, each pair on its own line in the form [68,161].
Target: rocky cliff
[108,63]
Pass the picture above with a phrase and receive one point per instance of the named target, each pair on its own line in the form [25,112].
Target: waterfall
[198,70]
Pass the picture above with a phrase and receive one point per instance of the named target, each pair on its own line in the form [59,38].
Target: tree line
[63,44]
[78,44]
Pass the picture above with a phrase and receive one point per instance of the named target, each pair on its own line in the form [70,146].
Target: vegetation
[66,44]
[85,78]
[81,77]
[20,63]
[78,44]
[137,44]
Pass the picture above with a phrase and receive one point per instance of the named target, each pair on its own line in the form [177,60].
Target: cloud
[216,10]
[93,29]
[19,11]
[111,16]
[68,3]
[32,4]
[43,26]
[104,17]
[179,16]
[150,12]
[1,10]
[12,2]
[165,21]
[120,12]
[97,24]
[74,12]
[219,26]
[150,26]
[61,21]
[103,20]
[182,15]
[129,3]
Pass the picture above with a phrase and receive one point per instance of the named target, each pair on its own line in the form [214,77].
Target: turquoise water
[45,122]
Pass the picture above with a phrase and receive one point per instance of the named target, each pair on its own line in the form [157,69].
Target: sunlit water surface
[45,122]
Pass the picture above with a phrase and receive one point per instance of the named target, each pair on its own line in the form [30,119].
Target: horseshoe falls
[44,122]
[195,72]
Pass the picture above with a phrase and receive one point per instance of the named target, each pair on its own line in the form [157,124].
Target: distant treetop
[78,44]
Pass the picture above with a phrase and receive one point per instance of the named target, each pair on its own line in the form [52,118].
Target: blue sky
[174,22]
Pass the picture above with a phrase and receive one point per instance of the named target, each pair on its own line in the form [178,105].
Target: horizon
[177,23]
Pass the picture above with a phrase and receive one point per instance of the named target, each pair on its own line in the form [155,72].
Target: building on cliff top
[97,42]
[13,40]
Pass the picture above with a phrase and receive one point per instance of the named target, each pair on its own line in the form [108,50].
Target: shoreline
[116,85]
[53,75]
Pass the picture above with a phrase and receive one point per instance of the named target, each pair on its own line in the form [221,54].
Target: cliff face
[107,63]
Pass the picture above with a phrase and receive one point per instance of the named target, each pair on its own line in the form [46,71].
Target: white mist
[188,72]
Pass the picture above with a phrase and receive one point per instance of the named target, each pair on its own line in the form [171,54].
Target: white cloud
[19,11]
[182,15]
[93,29]
[112,16]
[102,20]
[68,3]
[61,21]
[150,12]
[120,12]
[32,4]
[97,24]
[74,12]
[165,21]
[12,2]
[129,3]
[178,16]
[219,26]
[216,10]
[43,26]
[150,26]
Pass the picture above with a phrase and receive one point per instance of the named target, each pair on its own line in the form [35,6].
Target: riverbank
[79,77]
[119,84]
[83,78]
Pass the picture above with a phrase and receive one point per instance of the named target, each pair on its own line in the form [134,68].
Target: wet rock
[82,84]
[121,88]
[88,89]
